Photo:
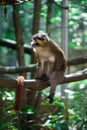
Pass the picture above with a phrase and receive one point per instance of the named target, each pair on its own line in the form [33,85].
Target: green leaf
[59,104]
[55,19]
[77,96]
[72,44]
[30,111]
[43,14]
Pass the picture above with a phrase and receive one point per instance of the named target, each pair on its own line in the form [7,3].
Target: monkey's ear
[42,38]
[46,38]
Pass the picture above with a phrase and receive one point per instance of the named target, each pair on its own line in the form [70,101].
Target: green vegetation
[68,111]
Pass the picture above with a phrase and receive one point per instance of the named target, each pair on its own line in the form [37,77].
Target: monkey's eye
[41,37]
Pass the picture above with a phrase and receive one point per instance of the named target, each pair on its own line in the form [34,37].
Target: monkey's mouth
[35,44]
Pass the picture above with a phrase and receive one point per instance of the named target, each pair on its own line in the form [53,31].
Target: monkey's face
[39,40]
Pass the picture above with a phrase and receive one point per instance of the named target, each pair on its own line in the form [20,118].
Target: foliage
[6,98]
[77,24]
[76,92]
[10,119]
[17,121]
[77,110]
[77,103]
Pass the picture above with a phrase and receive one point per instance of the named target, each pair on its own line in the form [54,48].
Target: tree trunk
[49,16]
[35,29]
[36,18]
[64,41]
[31,96]
[18,33]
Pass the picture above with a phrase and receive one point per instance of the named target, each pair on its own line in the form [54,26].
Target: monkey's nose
[33,43]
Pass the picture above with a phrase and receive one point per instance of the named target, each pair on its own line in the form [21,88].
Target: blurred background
[66,23]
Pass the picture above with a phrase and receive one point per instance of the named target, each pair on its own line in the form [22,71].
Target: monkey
[51,61]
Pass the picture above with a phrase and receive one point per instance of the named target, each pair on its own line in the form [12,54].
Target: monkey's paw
[50,98]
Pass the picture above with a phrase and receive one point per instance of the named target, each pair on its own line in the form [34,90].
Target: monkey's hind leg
[55,78]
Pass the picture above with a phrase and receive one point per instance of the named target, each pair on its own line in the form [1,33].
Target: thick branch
[12,2]
[77,60]
[12,44]
[36,18]
[36,85]
[18,34]
[32,67]
[60,6]
[13,70]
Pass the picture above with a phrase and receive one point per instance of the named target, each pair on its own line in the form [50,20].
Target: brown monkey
[51,61]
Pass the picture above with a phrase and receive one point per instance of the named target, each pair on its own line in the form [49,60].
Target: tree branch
[60,6]
[77,60]
[14,70]
[32,67]
[18,35]
[12,44]
[36,85]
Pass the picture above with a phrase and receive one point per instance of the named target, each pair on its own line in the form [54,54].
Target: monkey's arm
[39,70]
[43,70]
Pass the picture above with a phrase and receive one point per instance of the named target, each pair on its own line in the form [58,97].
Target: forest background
[17,25]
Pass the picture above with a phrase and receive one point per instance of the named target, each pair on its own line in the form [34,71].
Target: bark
[60,6]
[35,29]
[13,45]
[77,60]
[14,70]
[32,67]
[36,85]
[64,43]
[49,16]
[18,32]
[11,2]
[36,19]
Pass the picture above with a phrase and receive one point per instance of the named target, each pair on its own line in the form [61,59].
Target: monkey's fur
[51,61]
